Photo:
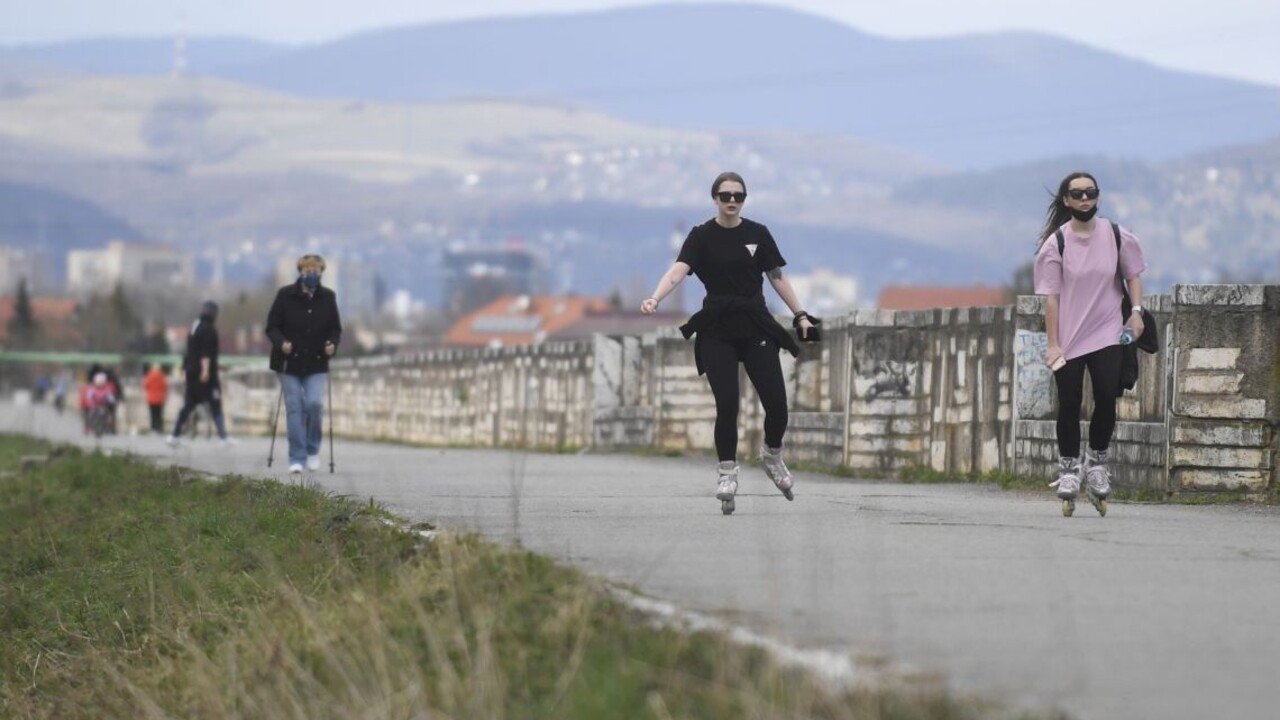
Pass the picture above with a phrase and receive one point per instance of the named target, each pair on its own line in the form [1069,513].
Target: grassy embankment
[128,590]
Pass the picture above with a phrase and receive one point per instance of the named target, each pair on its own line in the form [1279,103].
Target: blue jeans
[304,410]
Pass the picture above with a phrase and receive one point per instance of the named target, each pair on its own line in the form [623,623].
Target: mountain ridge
[973,101]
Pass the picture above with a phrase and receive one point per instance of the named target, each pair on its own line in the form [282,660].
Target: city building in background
[476,275]
[17,264]
[134,265]
[826,293]
[356,283]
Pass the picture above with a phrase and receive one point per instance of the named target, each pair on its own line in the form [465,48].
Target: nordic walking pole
[275,421]
[329,381]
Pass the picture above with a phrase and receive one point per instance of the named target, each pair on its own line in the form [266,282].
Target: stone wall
[957,391]
[1226,379]
[535,396]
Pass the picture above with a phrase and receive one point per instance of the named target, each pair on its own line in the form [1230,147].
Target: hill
[55,222]
[138,56]
[972,101]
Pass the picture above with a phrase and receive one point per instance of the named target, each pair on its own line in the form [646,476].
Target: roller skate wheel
[788,494]
[1068,508]
[726,507]
[1101,505]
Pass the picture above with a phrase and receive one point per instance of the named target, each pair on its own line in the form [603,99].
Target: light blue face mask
[311,280]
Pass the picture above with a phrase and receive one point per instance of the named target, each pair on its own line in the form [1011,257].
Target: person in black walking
[305,330]
[730,255]
[200,366]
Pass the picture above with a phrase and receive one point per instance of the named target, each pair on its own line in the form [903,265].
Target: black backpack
[1149,341]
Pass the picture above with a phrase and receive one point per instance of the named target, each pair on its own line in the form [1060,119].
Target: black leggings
[1104,373]
[720,360]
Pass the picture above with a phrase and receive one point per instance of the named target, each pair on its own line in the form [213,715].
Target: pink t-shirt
[1089,291]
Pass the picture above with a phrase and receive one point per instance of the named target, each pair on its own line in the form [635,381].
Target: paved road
[1156,611]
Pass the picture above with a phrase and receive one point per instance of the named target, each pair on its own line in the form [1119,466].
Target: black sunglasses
[1085,194]
[731,197]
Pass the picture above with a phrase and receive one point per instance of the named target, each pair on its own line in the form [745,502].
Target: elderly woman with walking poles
[305,331]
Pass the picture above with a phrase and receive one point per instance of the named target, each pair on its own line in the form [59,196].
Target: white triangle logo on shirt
[752,249]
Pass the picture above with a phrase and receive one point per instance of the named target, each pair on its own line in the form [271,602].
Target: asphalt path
[1155,611]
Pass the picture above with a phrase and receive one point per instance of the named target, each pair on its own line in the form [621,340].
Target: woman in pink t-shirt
[1082,317]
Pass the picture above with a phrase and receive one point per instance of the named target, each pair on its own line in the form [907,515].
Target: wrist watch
[1137,310]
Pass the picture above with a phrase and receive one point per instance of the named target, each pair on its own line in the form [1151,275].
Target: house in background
[532,319]
[57,317]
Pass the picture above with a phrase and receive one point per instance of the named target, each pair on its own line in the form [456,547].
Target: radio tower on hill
[179,68]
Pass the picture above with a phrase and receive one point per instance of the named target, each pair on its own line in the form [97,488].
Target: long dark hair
[1058,212]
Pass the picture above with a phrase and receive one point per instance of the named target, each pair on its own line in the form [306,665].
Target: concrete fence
[957,391]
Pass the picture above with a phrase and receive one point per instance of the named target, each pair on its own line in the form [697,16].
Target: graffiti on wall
[1033,377]
[885,365]
[891,380]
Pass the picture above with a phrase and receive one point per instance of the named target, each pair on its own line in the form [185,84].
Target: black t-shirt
[731,261]
[202,343]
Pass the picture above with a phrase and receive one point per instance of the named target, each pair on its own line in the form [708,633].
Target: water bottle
[1126,335]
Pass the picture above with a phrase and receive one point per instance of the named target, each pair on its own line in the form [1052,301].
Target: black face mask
[1084,215]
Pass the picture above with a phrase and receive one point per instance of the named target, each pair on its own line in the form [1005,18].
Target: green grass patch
[1268,497]
[128,590]
[13,450]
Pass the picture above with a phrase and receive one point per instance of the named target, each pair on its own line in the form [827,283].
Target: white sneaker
[171,441]
[295,469]
[1068,482]
[1097,475]
[777,471]
[728,486]
[228,441]
[313,462]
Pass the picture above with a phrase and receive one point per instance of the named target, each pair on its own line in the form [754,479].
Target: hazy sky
[1235,38]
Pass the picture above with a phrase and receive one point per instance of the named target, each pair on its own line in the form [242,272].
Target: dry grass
[132,591]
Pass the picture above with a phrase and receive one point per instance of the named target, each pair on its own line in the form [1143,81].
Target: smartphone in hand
[1058,364]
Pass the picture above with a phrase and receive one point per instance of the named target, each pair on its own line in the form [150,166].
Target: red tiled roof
[924,297]
[521,320]
[55,315]
[614,322]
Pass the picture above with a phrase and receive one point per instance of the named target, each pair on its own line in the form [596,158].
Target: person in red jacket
[156,385]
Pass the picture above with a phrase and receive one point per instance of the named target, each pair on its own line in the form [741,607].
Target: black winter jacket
[308,322]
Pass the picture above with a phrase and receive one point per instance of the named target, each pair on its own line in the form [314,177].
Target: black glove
[814,334]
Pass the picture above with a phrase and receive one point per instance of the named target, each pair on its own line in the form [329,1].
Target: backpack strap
[1115,230]
[1062,242]
[1125,303]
